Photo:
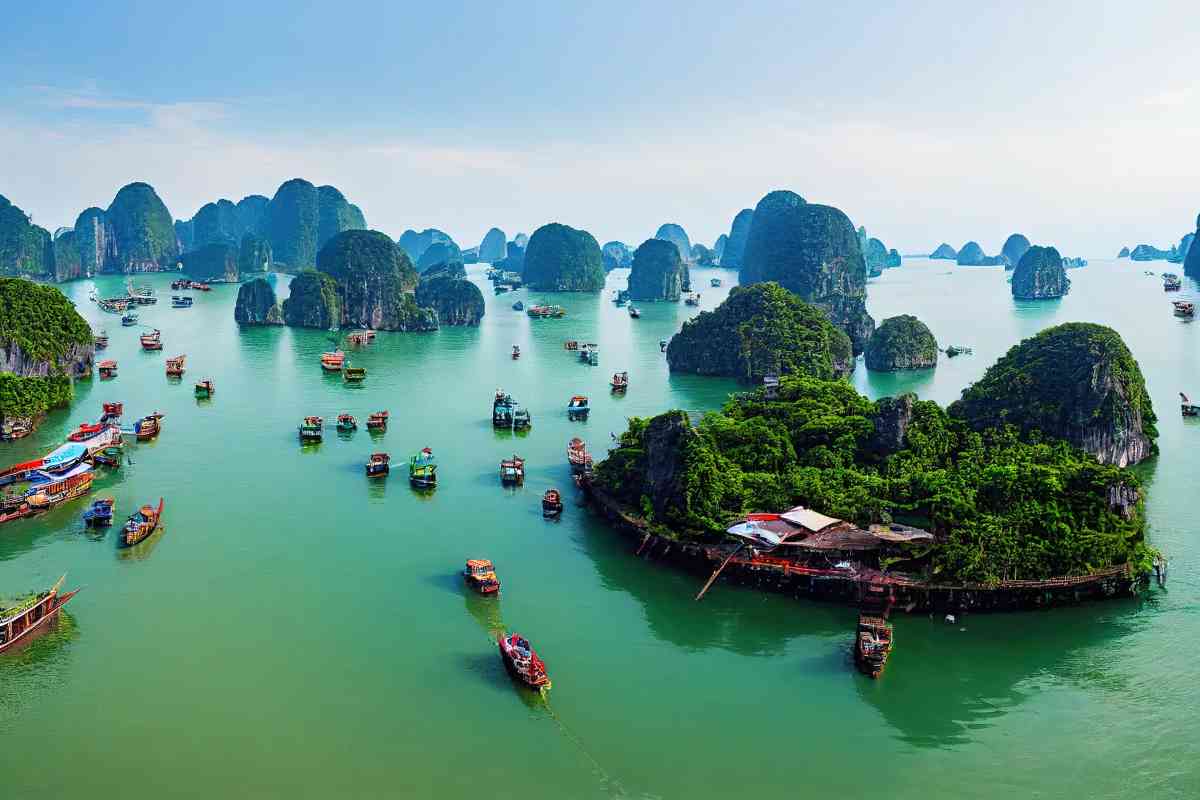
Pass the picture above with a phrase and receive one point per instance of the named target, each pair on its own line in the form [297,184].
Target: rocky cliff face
[944,251]
[254,256]
[1191,263]
[256,304]
[139,232]
[440,253]
[1148,252]
[893,259]
[891,420]
[702,256]
[314,301]
[301,218]
[972,255]
[1078,382]
[813,251]
[616,255]
[415,244]
[562,259]
[676,235]
[1014,247]
[902,342]
[91,236]
[1040,275]
[67,263]
[735,246]
[658,272]
[494,246]
[718,248]
[217,261]
[217,223]
[759,330]
[374,281]
[876,256]
[25,248]
[457,301]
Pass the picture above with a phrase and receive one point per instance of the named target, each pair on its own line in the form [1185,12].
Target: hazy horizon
[1074,125]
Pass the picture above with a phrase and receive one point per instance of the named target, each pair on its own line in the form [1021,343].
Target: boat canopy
[67,454]
[40,478]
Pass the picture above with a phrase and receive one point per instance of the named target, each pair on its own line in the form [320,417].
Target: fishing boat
[334,361]
[152,340]
[175,366]
[129,320]
[522,662]
[512,471]
[635,312]
[362,337]
[480,575]
[205,388]
[100,515]
[378,465]
[546,312]
[1186,407]
[1183,308]
[1171,282]
[571,345]
[46,491]
[111,413]
[180,283]
[107,368]
[522,419]
[872,644]
[148,426]
[101,340]
[346,423]
[201,286]
[422,469]
[619,382]
[714,282]
[108,457]
[500,288]
[578,456]
[13,429]
[311,429]
[692,299]
[354,374]
[518,306]
[377,421]
[141,524]
[590,353]
[181,301]
[19,621]
[577,407]
[142,296]
[86,430]
[552,504]
[502,410]
[516,352]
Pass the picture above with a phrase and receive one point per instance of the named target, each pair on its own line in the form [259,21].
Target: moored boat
[346,423]
[502,410]
[516,352]
[129,320]
[205,388]
[512,471]
[101,340]
[1186,406]
[354,374]
[480,575]
[361,337]
[619,382]
[422,469]
[546,312]
[108,457]
[571,344]
[1171,282]
[152,340]
[552,505]
[148,426]
[522,420]
[86,430]
[175,366]
[311,429]
[111,413]
[578,456]
[181,301]
[141,524]
[1184,308]
[333,361]
[518,306]
[714,282]
[522,662]
[107,368]
[12,429]
[378,465]
[589,353]
[20,620]
[577,407]
[377,421]
[872,644]
[692,299]
[100,515]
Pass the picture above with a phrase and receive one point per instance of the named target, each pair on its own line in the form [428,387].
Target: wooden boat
[181,301]
[205,388]
[86,430]
[1171,282]
[634,312]
[522,420]
[516,352]
[502,410]
[480,575]
[378,465]
[522,662]
[546,312]
[361,337]
[872,644]
[333,362]
[354,374]
[571,345]
[101,340]
[377,421]
[175,366]
[142,296]
[152,340]
[100,515]
[552,504]
[714,282]
[578,456]
[129,320]
[619,382]
[141,524]
[111,413]
[590,354]
[13,429]
[577,407]
[422,469]
[108,457]
[311,429]
[512,471]
[107,368]
[148,426]
[200,286]
[692,299]
[346,423]
[500,288]
[1186,407]
[21,620]
[1183,308]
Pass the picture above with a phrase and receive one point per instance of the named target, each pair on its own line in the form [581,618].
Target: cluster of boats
[508,413]
[518,655]
[335,361]
[185,283]
[422,467]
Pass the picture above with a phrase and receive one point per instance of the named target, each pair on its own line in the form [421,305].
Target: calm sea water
[298,631]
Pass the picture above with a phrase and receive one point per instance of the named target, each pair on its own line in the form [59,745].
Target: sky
[1076,123]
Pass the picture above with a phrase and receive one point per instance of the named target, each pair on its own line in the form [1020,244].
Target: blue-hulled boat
[100,515]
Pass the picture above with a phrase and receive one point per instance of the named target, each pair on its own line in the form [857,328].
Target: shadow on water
[968,675]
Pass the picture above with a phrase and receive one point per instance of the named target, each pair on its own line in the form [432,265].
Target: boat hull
[40,624]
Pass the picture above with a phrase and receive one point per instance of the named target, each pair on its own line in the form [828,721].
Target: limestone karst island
[582,401]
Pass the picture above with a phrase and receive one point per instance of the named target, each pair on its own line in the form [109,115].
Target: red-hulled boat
[20,622]
[480,575]
[377,421]
[85,431]
[152,340]
[141,524]
[522,662]
[578,456]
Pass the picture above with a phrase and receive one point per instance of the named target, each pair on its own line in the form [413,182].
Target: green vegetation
[256,304]
[675,234]
[735,245]
[439,253]
[216,261]
[67,263]
[1014,247]
[457,301]
[562,259]
[292,219]
[1040,274]
[254,256]
[759,330]
[1002,506]
[375,280]
[141,230]
[25,248]
[902,342]
[658,272]
[313,302]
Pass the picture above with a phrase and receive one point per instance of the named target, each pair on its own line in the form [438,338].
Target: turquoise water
[296,630]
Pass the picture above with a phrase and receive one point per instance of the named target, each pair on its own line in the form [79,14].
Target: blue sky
[1076,123]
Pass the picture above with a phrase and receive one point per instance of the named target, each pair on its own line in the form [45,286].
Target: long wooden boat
[333,362]
[152,340]
[480,575]
[377,421]
[872,644]
[175,366]
[422,469]
[22,621]
[46,491]
[141,524]
[512,471]
[552,505]
[522,662]
[148,426]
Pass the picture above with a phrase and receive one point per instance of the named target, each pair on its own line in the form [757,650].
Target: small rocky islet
[1041,274]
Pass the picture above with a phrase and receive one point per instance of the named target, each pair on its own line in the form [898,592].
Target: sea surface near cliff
[298,630]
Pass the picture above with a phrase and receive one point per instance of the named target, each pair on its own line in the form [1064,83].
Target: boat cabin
[577,407]
[512,471]
[422,469]
[378,465]
[480,575]
[175,366]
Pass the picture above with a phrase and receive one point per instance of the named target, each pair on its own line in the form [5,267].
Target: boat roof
[67,452]
[40,478]
[808,519]
[479,562]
